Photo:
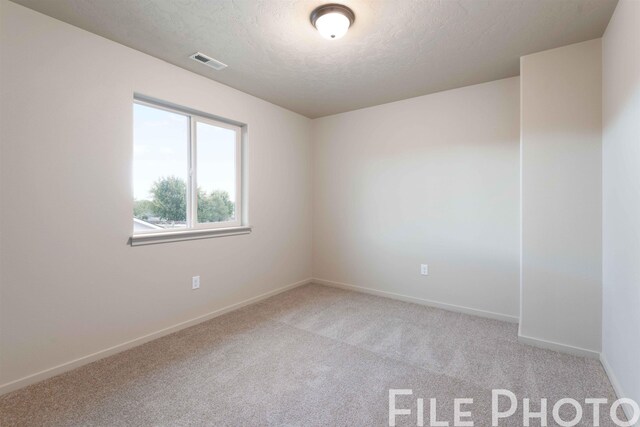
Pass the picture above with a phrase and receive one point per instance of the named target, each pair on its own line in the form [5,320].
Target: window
[187,175]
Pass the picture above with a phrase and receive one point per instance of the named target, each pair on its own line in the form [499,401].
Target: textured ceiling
[396,49]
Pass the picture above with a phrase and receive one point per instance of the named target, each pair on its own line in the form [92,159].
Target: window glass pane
[160,164]
[216,173]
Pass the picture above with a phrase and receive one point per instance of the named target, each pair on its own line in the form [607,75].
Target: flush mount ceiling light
[332,20]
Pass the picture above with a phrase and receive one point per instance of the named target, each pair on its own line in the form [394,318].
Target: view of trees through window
[169,204]
[161,164]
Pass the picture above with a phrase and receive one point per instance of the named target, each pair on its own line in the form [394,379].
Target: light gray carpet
[311,356]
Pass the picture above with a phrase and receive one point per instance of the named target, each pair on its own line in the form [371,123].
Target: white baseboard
[562,348]
[617,388]
[56,370]
[421,301]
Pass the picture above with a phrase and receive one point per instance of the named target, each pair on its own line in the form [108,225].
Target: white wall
[70,283]
[432,179]
[621,191]
[561,196]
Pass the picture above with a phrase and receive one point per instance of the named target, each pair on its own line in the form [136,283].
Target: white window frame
[195,229]
[192,217]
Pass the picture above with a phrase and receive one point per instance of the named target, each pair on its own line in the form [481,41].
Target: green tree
[170,199]
[214,207]
[142,209]
[169,202]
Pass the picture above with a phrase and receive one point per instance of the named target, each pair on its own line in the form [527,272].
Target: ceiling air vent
[208,61]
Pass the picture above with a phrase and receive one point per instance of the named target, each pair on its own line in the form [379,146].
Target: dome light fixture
[332,20]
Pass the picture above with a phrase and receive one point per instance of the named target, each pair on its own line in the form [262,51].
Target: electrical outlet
[424,269]
[195,282]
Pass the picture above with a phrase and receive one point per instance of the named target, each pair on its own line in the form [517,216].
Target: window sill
[179,236]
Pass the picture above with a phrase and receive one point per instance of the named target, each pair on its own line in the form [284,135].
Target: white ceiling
[396,49]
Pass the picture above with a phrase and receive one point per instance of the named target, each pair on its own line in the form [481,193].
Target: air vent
[208,61]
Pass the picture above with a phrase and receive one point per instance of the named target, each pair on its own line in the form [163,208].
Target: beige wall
[70,283]
[562,196]
[432,180]
[621,191]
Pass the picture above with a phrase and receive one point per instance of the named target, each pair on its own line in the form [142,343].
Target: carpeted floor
[312,356]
